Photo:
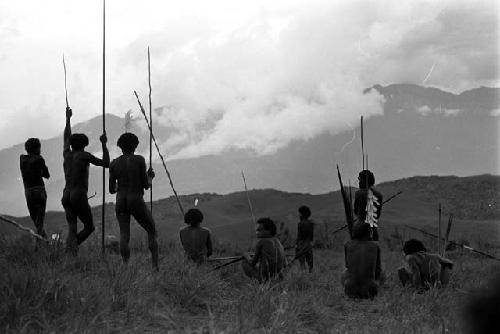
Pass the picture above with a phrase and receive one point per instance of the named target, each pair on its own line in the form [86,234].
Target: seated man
[128,179]
[196,240]
[362,261]
[424,269]
[33,170]
[269,260]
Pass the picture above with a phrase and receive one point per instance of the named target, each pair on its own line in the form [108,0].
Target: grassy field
[44,290]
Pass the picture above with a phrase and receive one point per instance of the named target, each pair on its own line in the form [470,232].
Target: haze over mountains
[423,131]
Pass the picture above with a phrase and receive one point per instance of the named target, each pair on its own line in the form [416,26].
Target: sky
[235,74]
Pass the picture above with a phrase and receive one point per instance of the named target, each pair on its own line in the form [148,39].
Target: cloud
[246,75]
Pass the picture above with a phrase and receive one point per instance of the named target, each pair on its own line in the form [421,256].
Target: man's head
[265,228]
[193,217]
[413,246]
[32,146]
[304,212]
[361,231]
[366,179]
[78,141]
[128,142]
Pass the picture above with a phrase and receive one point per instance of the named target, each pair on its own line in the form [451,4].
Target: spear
[439,230]
[249,205]
[159,153]
[362,143]
[150,132]
[65,86]
[23,228]
[455,243]
[347,204]
[448,230]
[103,122]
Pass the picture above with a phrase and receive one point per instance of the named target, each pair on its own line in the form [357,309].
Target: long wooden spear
[159,153]
[347,204]
[103,215]
[65,85]
[362,143]
[455,243]
[250,206]
[439,230]
[447,235]
[23,228]
[150,132]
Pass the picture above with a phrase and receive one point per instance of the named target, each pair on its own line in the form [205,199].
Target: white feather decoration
[372,204]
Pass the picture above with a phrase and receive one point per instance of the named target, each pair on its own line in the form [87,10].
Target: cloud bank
[251,75]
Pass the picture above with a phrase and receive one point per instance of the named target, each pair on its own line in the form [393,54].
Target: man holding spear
[76,173]
[128,179]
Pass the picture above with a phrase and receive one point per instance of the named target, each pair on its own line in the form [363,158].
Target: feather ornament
[372,205]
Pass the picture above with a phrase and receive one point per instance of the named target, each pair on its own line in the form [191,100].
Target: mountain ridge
[405,141]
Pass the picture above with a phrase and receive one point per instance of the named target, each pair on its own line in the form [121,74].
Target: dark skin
[130,168]
[113,186]
[75,202]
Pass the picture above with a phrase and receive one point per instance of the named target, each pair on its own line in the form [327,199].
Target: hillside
[424,131]
[471,200]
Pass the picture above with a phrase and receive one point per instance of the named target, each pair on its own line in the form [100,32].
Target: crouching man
[363,265]
[269,260]
[423,270]
[128,179]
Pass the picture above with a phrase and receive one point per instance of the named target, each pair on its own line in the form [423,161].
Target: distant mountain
[424,131]
[471,198]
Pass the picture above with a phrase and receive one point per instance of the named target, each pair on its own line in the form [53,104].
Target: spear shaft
[23,228]
[159,153]
[249,205]
[150,132]
[65,85]
[103,214]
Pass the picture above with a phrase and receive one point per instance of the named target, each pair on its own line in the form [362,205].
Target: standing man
[33,170]
[368,202]
[76,173]
[305,238]
[128,179]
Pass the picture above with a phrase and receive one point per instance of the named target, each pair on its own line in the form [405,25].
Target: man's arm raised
[105,154]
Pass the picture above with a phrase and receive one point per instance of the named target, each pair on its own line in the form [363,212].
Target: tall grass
[44,290]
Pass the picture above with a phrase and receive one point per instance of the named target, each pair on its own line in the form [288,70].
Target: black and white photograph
[250,166]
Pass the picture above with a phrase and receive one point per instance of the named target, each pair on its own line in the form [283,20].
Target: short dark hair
[128,142]
[361,231]
[31,145]
[366,178]
[78,141]
[268,225]
[413,246]
[193,217]
[305,211]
